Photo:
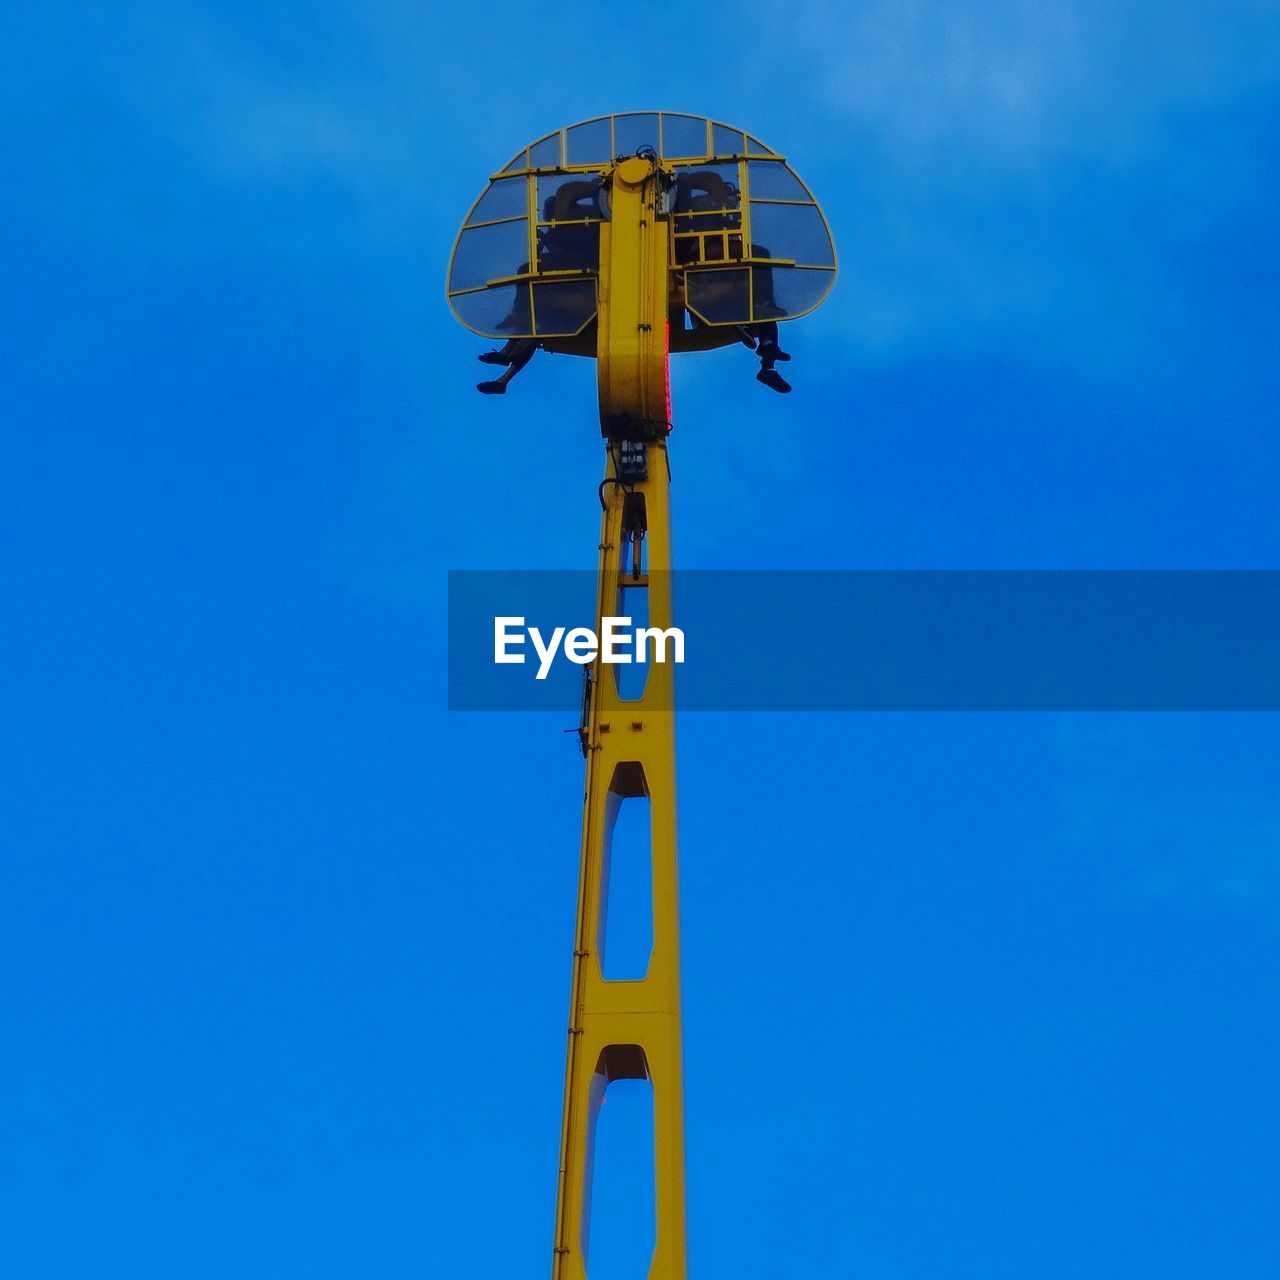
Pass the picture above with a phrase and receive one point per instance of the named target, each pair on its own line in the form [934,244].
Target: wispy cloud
[317,107]
[1019,179]
[1016,77]
[1179,809]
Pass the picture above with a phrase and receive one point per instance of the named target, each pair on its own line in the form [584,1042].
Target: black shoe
[492,357]
[773,380]
[771,351]
[499,388]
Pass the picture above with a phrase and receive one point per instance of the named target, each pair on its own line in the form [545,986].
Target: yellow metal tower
[624,238]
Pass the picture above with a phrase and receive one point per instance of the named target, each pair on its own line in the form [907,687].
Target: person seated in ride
[574,245]
[702,192]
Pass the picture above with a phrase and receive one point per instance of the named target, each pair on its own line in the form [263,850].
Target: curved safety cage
[748,241]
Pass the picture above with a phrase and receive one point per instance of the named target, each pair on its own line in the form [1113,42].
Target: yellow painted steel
[628,1029]
[705,236]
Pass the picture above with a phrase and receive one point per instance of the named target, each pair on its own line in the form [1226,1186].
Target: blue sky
[286,945]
